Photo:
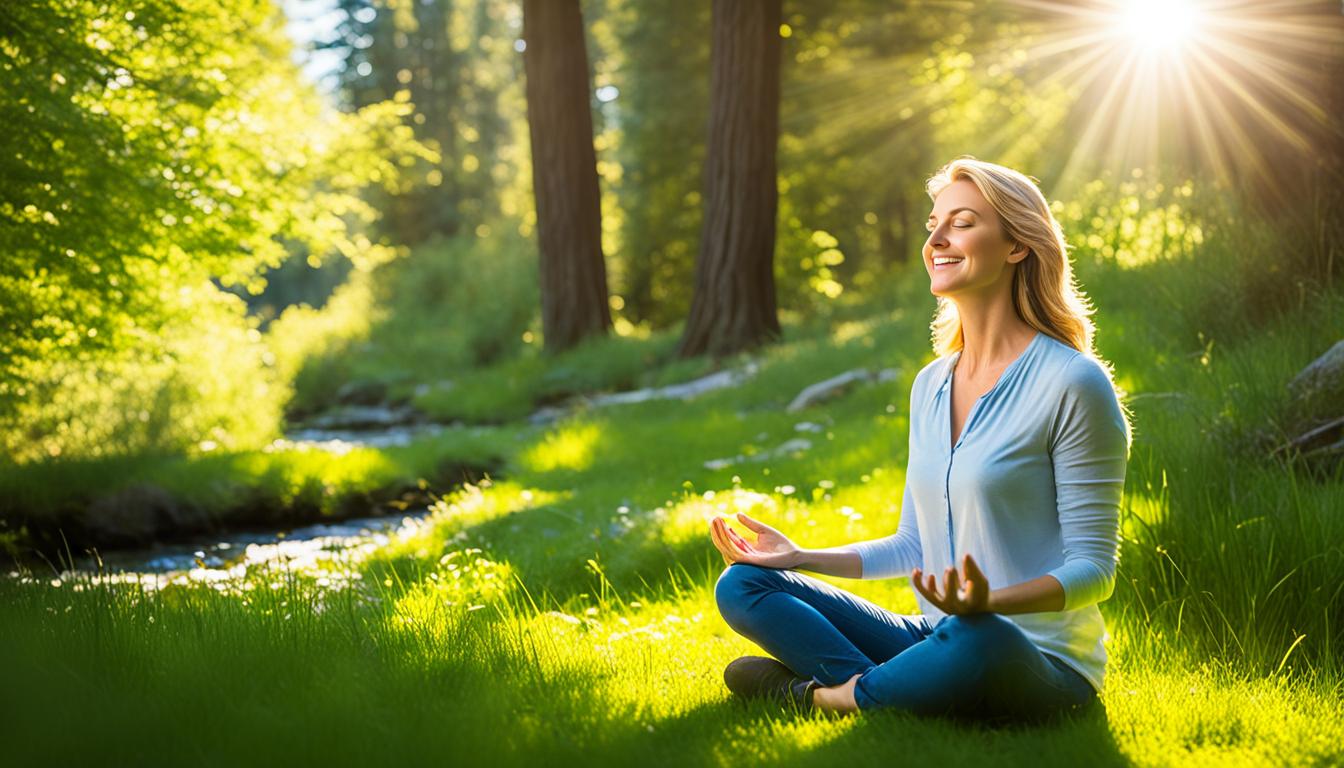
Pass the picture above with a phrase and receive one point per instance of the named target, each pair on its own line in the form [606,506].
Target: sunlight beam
[1227,82]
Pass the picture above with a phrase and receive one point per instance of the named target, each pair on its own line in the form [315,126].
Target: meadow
[562,610]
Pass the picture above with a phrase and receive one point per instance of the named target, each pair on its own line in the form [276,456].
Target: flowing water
[227,557]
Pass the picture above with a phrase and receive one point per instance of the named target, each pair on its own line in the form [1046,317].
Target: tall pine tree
[564,174]
[733,306]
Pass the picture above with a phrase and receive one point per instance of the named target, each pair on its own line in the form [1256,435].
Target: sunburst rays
[1225,85]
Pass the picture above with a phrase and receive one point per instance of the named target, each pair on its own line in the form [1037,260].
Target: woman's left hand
[962,593]
[771,549]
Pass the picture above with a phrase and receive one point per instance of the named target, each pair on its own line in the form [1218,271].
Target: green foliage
[199,385]
[874,98]
[663,76]
[479,292]
[311,345]
[806,268]
[457,64]
[1220,270]
[449,305]
[515,388]
[167,149]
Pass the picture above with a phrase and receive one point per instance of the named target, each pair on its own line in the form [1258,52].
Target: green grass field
[563,612]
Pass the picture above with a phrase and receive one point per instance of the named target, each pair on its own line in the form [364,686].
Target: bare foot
[837,698]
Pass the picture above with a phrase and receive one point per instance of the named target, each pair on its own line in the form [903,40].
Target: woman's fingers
[932,587]
[977,585]
[739,541]
[720,541]
[729,537]
[714,536]
[729,542]
[969,569]
[961,592]
[972,569]
[755,526]
[917,581]
[927,585]
[719,547]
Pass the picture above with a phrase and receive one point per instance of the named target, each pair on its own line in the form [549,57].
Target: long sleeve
[1089,448]
[896,554]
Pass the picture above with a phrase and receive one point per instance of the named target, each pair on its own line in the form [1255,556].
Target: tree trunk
[733,306]
[564,174]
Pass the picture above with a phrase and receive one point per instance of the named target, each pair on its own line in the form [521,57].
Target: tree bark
[733,305]
[564,175]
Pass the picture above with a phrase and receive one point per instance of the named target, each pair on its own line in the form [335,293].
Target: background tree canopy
[168,151]
[178,185]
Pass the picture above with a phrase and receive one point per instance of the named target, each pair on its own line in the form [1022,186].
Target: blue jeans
[978,666]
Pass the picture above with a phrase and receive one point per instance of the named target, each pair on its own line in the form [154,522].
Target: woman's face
[967,253]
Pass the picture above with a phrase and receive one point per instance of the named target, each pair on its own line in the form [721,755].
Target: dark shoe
[761,677]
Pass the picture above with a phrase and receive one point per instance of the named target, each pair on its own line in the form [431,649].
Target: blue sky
[310,20]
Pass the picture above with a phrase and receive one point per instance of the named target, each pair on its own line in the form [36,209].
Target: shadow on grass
[737,732]
[879,737]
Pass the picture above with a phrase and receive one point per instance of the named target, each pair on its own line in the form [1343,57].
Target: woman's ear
[1020,251]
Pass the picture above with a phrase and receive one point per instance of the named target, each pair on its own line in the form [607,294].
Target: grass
[52,505]
[409,672]
[564,612]
[515,388]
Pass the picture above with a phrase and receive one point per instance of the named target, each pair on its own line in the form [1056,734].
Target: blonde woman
[1008,527]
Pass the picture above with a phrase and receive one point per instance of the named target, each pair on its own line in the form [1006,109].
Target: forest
[371,371]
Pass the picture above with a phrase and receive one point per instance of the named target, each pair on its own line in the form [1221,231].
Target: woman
[1018,448]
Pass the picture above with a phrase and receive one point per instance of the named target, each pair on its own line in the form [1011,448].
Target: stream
[228,556]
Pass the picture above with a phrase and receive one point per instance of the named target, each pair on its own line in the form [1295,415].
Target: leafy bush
[204,385]
[1190,250]
[440,309]
[159,152]
[516,387]
[461,301]
[312,346]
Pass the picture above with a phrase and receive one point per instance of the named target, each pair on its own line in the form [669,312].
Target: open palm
[771,549]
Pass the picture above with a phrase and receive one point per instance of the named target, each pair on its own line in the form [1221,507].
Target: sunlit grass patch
[476,503]
[688,520]
[1164,711]
[567,447]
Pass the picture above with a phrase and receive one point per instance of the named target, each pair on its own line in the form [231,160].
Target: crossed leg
[815,629]
[865,656]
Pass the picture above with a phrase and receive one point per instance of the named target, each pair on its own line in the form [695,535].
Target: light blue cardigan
[1032,487]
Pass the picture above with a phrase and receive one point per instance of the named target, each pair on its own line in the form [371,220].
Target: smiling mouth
[942,261]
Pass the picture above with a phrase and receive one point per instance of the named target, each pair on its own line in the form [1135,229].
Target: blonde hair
[1046,294]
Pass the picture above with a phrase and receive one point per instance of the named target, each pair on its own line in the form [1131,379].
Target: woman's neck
[992,333]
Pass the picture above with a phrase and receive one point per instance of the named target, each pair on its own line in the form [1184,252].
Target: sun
[1159,27]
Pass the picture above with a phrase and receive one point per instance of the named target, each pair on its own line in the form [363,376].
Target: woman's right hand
[771,549]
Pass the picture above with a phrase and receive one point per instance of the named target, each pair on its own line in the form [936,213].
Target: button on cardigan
[1032,487]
